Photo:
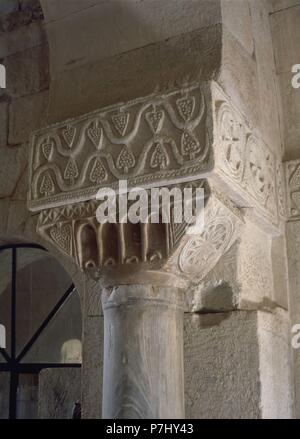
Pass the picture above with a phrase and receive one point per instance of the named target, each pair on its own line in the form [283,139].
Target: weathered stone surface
[139,24]
[275,373]
[59,390]
[23,38]
[8,6]
[291,116]
[3,123]
[266,77]
[221,361]
[241,29]
[255,269]
[157,67]
[286,40]
[238,77]
[237,365]
[13,163]
[27,114]
[28,13]
[278,5]
[27,71]
[293,253]
[280,274]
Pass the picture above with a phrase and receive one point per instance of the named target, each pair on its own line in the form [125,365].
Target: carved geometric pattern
[160,139]
[246,164]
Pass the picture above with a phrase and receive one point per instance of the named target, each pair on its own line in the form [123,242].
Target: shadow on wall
[107,52]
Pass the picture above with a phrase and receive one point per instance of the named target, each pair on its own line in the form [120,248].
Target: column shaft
[143,352]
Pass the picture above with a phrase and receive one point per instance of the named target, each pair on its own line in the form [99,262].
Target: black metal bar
[35,367]
[45,323]
[13,390]
[13,364]
[5,367]
[12,246]
[13,304]
[5,355]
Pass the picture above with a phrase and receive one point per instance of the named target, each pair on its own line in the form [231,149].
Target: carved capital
[193,135]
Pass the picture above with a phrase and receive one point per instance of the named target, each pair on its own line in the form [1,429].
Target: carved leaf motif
[295,179]
[125,160]
[155,120]
[61,235]
[47,148]
[186,107]
[71,171]
[69,135]
[189,145]
[98,172]
[47,185]
[120,122]
[159,157]
[94,133]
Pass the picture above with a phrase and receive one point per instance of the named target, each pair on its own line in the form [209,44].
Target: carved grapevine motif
[189,145]
[69,135]
[47,185]
[71,171]
[155,120]
[62,236]
[98,172]
[47,148]
[149,156]
[186,107]
[120,122]
[125,160]
[159,157]
[94,133]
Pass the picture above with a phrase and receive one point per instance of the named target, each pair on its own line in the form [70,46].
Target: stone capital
[189,136]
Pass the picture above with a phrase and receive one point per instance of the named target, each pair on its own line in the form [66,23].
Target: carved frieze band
[156,140]
[292,171]
[252,175]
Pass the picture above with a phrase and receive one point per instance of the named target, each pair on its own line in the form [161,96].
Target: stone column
[143,352]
